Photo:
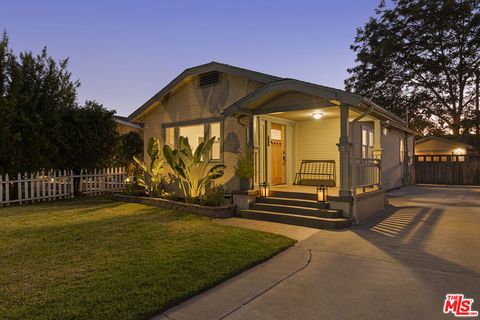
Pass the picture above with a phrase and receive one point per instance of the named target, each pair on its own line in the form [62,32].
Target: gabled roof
[208,67]
[445,140]
[331,95]
[275,85]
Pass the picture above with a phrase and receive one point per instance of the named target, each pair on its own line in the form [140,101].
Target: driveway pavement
[399,265]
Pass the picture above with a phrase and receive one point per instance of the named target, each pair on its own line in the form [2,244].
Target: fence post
[72,185]
[7,189]
[32,188]
[19,187]
[25,186]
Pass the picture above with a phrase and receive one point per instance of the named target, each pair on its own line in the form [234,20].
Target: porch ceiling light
[317,115]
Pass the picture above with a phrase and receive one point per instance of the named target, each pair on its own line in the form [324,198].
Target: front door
[277,153]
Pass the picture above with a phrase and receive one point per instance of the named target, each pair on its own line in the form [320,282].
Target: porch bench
[316,173]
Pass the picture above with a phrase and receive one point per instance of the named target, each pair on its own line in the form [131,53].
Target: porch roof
[252,103]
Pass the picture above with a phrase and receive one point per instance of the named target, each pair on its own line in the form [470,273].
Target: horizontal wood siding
[430,147]
[191,102]
[317,140]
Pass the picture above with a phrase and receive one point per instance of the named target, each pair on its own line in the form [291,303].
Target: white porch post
[344,147]
[377,144]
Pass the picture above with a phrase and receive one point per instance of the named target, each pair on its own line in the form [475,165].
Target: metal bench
[316,173]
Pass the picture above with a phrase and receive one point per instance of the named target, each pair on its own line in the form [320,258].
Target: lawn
[99,259]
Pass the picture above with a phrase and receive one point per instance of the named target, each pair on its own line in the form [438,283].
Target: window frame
[369,146]
[206,132]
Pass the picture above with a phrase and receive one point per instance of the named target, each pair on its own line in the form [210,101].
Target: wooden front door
[277,153]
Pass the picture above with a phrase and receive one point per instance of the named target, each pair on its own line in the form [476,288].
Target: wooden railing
[367,173]
[59,184]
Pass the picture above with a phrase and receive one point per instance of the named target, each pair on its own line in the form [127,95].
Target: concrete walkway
[292,232]
[398,266]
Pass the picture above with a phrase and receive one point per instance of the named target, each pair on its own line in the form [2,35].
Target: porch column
[377,144]
[250,136]
[344,147]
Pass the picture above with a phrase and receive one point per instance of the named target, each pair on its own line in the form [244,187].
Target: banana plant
[152,175]
[193,168]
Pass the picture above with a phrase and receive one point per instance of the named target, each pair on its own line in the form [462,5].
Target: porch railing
[367,173]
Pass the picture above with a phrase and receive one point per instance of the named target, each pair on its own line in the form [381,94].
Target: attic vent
[209,78]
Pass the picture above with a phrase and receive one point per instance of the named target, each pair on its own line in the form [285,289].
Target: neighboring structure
[356,147]
[433,145]
[125,126]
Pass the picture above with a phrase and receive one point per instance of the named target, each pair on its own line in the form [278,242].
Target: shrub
[214,196]
[244,167]
[152,177]
[193,169]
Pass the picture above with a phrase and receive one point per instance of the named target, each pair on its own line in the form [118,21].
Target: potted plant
[244,168]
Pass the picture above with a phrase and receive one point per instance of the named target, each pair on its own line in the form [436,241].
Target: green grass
[99,259]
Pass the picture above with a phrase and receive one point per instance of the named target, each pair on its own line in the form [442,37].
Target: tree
[421,56]
[89,137]
[130,145]
[41,124]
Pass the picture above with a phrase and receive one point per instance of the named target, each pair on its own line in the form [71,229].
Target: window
[196,134]
[170,137]
[402,150]
[215,132]
[367,142]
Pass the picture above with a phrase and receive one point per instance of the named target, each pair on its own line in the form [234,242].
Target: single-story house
[303,135]
[434,146]
[125,126]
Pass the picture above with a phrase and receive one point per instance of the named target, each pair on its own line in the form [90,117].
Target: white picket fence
[59,184]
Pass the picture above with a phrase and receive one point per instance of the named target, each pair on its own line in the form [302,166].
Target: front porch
[305,137]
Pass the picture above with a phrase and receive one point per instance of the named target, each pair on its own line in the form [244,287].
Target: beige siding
[434,147]
[189,102]
[317,140]
[392,168]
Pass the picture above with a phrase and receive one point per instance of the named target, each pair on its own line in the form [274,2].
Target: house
[303,134]
[435,146]
[125,126]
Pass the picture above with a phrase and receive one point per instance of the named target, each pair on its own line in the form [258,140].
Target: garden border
[222,212]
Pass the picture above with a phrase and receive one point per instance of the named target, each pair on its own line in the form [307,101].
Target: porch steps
[293,195]
[295,208]
[291,202]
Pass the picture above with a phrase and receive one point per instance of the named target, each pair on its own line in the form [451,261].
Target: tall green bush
[152,176]
[193,169]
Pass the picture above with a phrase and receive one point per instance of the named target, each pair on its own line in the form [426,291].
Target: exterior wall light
[385,131]
[322,195]
[317,115]
[459,151]
[264,189]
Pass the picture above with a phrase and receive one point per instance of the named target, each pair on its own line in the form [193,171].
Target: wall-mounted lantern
[322,195]
[264,189]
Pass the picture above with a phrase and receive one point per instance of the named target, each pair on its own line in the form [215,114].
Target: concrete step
[291,202]
[299,210]
[293,195]
[296,219]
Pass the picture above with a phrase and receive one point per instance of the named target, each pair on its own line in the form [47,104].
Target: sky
[123,52]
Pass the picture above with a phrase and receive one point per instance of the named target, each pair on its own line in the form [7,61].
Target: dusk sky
[123,52]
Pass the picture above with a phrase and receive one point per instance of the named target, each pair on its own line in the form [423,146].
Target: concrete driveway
[399,265]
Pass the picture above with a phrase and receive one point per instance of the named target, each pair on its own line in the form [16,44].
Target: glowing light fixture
[322,195]
[317,115]
[459,151]
[264,189]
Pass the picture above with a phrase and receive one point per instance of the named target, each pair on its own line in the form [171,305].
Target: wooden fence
[59,184]
[447,169]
